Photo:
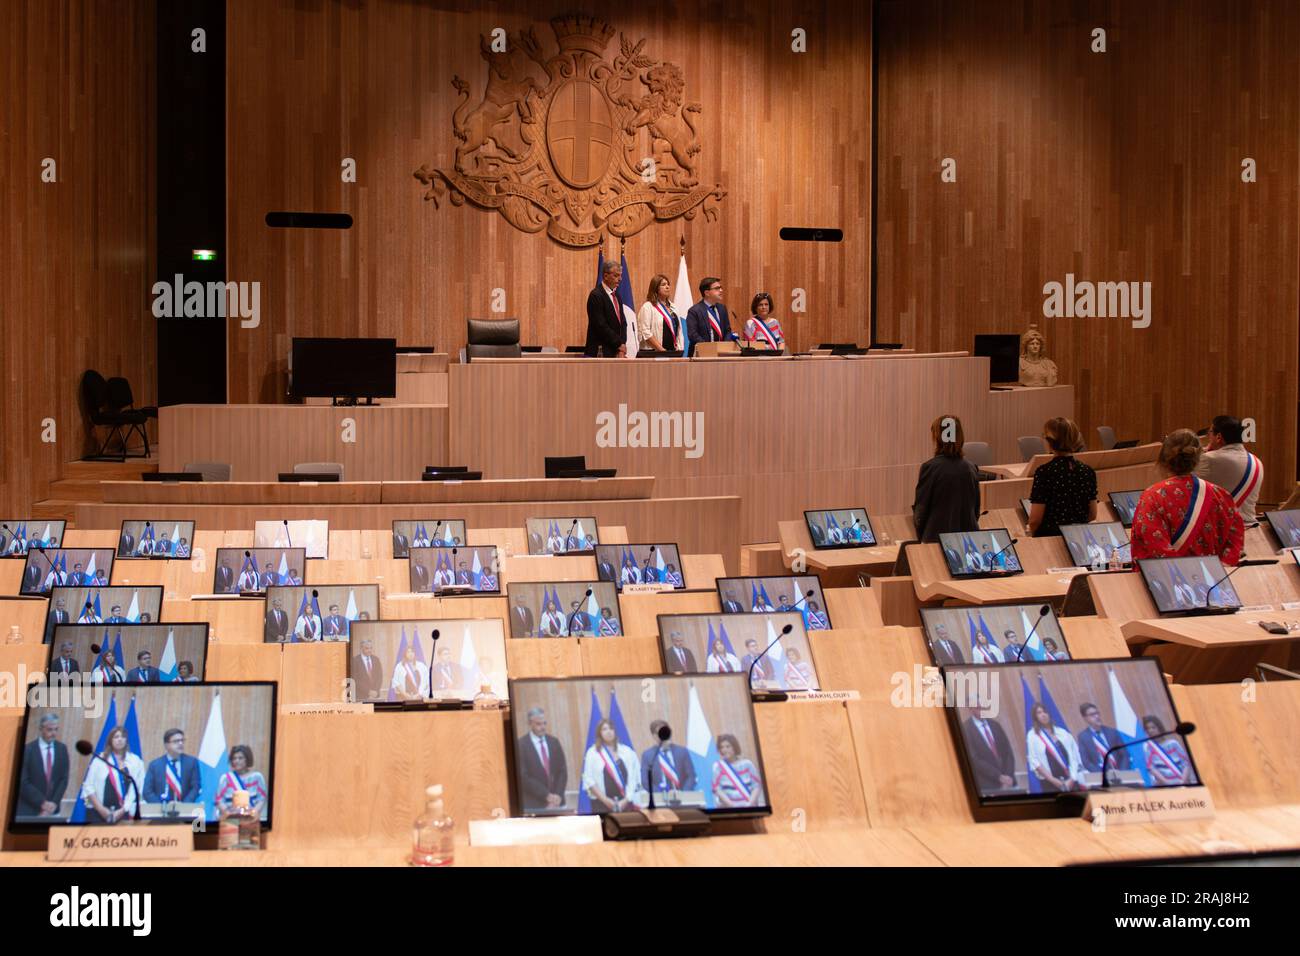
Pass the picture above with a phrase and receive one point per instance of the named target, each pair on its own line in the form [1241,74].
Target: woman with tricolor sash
[241,776]
[763,329]
[721,660]
[1185,515]
[1166,759]
[107,670]
[798,672]
[1053,753]
[658,327]
[108,791]
[736,782]
[611,772]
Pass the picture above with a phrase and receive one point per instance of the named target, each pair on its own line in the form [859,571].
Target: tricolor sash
[1195,508]
[173,782]
[608,627]
[1100,744]
[1052,746]
[765,331]
[734,778]
[795,677]
[613,770]
[668,772]
[1249,479]
[670,340]
[1171,763]
[717,329]
[986,654]
[116,780]
[411,679]
[723,663]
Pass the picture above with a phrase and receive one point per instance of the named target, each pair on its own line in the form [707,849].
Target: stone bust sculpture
[1036,369]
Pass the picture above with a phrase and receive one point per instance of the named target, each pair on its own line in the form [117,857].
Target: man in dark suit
[32,577]
[336,625]
[77,577]
[115,615]
[368,673]
[65,664]
[1096,738]
[542,769]
[462,575]
[144,672]
[535,543]
[990,753]
[679,657]
[225,578]
[401,545]
[45,771]
[606,324]
[419,577]
[764,671]
[445,673]
[277,622]
[174,775]
[707,321]
[58,615]
[818,534]
[605,570]
[578,620]
[946,650]
[667,766]
[126,547]
[522,623]
[731,606]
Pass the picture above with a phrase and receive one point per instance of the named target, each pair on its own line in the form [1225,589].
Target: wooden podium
[716,349]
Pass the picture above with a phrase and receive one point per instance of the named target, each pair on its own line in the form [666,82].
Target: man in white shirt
[1226,463]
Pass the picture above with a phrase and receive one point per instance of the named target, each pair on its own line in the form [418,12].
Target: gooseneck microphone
[768,694]
[665,734]
[433,655]
[568,626]
[287,536]
[1042,613]
[85,748]
[1217,583]
[1184,729]
[435,530]
[996,554]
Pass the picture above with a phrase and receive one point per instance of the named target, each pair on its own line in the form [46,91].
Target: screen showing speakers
[427,533]
[437,569]
[129,653]
[626,564]
[120,604]
[1188,585]
[734,643]
[155,539]
[400,660]
[564,609]
[321,612]
[993,634]
[253,570]
[1097,543]
[843,528]
[567,535]
[800,593]
[972,554]
[17,535]
[47,569]
[1125,503]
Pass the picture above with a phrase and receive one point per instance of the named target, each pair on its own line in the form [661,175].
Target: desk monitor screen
[842,528]
[640,564]
[19,534]
[343,368]
[220,736]
[595,745]
[993,634]
[786,593]
[312,535]
[319,612]
[1026,733]
[165,538]
[1189,585]
[253,570]
[121,604]
[129,653]
[1125,503]
[70,567]
[564,609]
[567,535]
[1286,526]
[1095,543]
[397,660]
[980,554]
[1003,353]
[475,567]
[1025,505]
[730,643]
[427,533]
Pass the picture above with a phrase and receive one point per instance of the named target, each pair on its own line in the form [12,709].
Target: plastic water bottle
[15,635]
[485,699]
[434,833]
[240,826]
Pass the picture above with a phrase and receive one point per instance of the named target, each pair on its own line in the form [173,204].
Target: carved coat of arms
[567,156]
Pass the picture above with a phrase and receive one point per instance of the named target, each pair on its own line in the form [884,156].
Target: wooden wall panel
[75,83]
[1123,165]
[788,135]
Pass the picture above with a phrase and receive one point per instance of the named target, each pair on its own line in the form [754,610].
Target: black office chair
[555,467]
[122,399]
[98,411]
[492,338]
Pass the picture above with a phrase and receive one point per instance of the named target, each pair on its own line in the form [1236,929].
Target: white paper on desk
[535,831]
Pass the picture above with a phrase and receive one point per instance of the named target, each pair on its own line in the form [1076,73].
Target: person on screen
[798,672]
[1166,759]
[308,626]
[668,767]
[443,577]
[488,674]
[410,677]
[762,329]
[1064,489]
[183,548]
[973,562]
[571,542]
[1053,652]
[145,548]
[946,650]
[56,577]
[736,782]
[721,661]
[446,674]
[649,573]
[986,652]
[126,546]
[1183,514]
[730,605]
[817,620]
[368,673]
[783,603]
[185,673]
[65,665]
[240,776]
[611,771]
[115,615]
[88,615]
[554,542]
[45,769]
[335,625]
[277,622]
[818,533]
[606,321]
[522,623]
[32,578]
[535,543]
[1011,648]
[543,773]
[107,670]
[764,672]
[990,561]
[108,794]
[294,578]
[462,574]
[78,577]
[1096,739]
[673,576]
[420,576]
[1160,594]
[173,777]
[1226,463]
[1201,588]
[145,617]
[679,657]
[991,757]
[553,621]
[401,544]
[630,573]
[580,621]
[422,539]
[144,672]
[101,579]
[947,489]
[248,579]
[605,570]
[487,580]
[707,320]
[1052,753]
[225,578]
[59,614]
[760,604]
[1184,594]
[657,324]
[609,626]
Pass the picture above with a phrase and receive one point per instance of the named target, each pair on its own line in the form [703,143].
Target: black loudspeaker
[655,824]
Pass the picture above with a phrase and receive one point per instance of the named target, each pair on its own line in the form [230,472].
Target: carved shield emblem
[580,134]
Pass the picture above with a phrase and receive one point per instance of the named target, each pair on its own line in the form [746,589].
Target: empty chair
[210,470]
[319,468]
[1107,436]
[1031,445]
[100,412]
[492,338]
[978,453]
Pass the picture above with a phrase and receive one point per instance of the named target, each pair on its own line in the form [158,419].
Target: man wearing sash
[707,319]
[668,765]
[446,672]
[1228,464]
[173,777]
[1096,738]
[764,672]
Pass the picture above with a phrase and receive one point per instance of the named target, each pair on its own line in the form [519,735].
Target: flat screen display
[397,660]
[321,612]
[312,535]
[427,533]
[436,569]
[1096,543]
[640,564]
[562,535]
[119,604]
[972,554]
[993,634]
[155,539]
[253,570]
[753,595]
[343,368]
[1286,525]
[19,534]
[130,653]
[734,643]
[1183,585]
[839,528]
[564,609]
[66,567]
[1125,504]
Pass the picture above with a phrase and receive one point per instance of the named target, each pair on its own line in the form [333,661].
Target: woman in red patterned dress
[1184,515]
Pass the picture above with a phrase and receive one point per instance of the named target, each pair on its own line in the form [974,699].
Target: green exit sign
[203,255]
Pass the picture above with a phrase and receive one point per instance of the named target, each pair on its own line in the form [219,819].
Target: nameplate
[125,841]
[1291,605]
[536,831]
[1256,608]
[1069,570]
[1160,805]
[652,588]
[339,708]
[806,695]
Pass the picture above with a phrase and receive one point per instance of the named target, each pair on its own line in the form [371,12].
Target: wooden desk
[837,567]
[1215,648]
[1100,460]
[619,488]
[932,581]
[1008,492]
[1124,596]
